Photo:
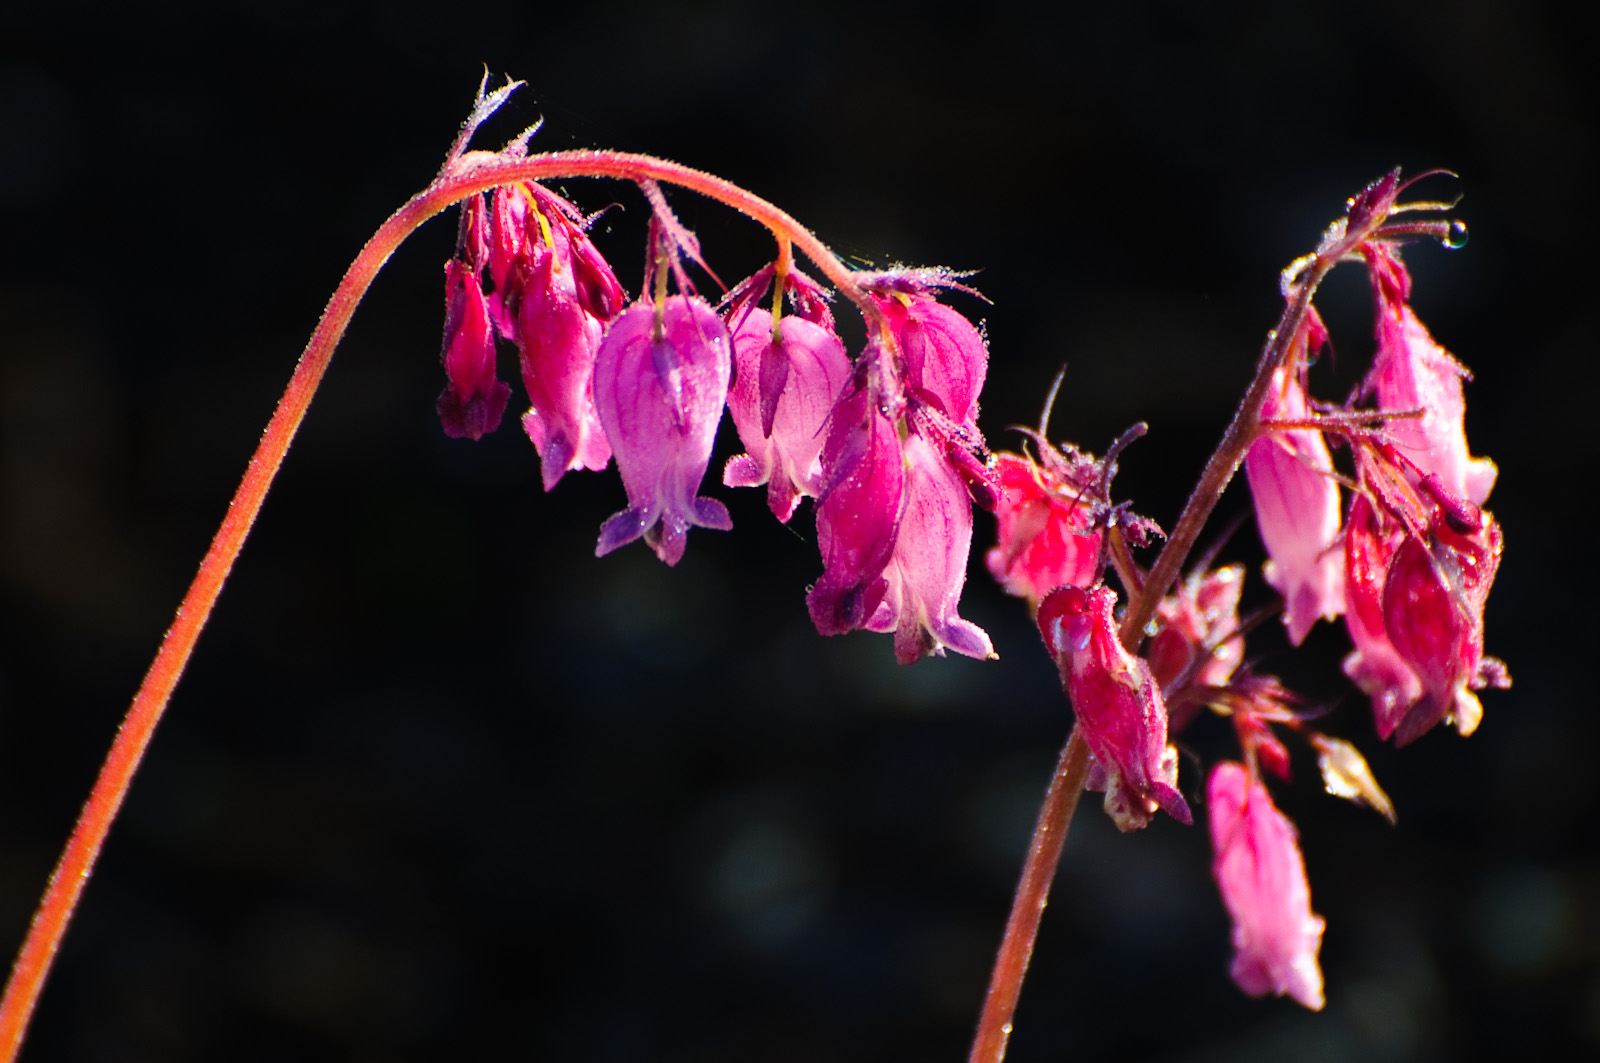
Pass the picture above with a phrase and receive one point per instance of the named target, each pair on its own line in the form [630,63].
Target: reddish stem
[77,861]
[1049,833]
[1027,908]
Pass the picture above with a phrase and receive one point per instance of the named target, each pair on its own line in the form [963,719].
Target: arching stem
[475,173]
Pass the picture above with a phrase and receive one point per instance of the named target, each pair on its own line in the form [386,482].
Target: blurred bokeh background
[439,783]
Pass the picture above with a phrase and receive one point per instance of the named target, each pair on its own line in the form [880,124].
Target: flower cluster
[1396,541]
[887,445]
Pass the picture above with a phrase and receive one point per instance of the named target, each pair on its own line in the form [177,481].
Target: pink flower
[661,378]
[783,389]
[1045,536]
[1196,620]
[859,510]
[1297,510]
[553,295]
[1117,704]
[945,358]
[929,565]
[1433,604]
[1412,372]
[474,398]
[1374,666]
[1262,877]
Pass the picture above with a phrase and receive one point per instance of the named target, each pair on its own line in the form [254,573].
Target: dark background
[441,784]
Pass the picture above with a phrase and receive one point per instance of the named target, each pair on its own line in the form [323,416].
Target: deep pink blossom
[783,390]
[1297,510]
[474,398]
[859,511]
[1262,876]
[929,565]
[553,296]
[945,358]
[1117,703]
[1433,604]
[1045,536]
[1412,372]
[660,383]
[1374,666]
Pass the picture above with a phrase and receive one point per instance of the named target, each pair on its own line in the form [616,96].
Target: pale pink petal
[1297,511]
[659,401]
[1262,877]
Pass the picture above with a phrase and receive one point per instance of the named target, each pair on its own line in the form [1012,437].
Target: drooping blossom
[859,510]
[474,398]
[929,565]
[553,295]
[661,378]
[1262,876]
[1045,536]
[1433,604]
[1297,510]
[784,386]
[1412,372]
[1419,562]
[1374,665]
[900,470]
[945,358]
[1117,703]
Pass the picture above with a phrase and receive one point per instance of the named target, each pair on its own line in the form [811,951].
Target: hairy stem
[476,174]
[1027,909]
[1055,816]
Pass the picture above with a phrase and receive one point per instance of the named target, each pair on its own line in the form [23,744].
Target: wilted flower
[1262,877]
[1297,510]
[1117,703]
[661,378]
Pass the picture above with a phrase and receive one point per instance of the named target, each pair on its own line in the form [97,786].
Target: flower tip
[476,417]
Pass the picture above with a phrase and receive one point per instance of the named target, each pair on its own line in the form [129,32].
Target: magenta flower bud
[1412,372]
[1433,611]
[1262,876]
[1374,666]
[660,382]
[474,398]
[1045,536]
[1297,511]
[858,512]
[1117,703]
[929,565]
[945,358]
[782,393]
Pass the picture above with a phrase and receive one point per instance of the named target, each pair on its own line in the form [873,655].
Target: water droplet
[1457,236]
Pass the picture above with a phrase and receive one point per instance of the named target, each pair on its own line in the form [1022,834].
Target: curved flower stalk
[898,463]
